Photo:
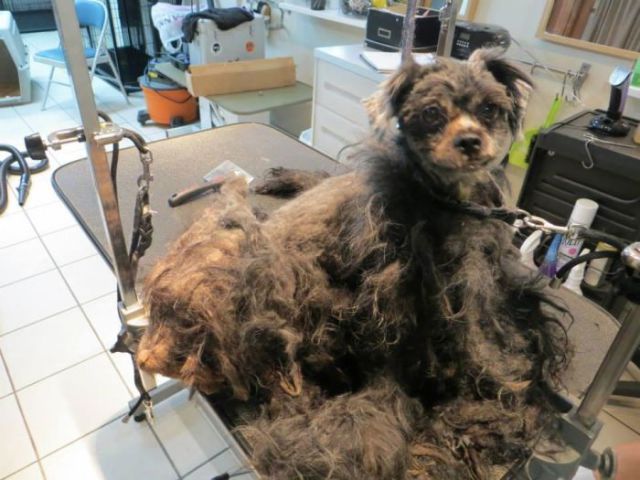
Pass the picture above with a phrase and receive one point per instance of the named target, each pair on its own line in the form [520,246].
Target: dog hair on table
[382,334]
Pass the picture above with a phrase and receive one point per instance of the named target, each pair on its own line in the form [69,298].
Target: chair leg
[46,90]
[116,74]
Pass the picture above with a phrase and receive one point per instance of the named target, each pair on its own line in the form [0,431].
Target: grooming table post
[131,312]
[448,17]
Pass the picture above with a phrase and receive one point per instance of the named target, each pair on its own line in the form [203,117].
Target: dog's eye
[489,111]
[432,116]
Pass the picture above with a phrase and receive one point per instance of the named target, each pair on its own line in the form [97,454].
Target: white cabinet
[341,81]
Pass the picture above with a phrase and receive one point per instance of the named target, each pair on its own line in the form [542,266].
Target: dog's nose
[468,143]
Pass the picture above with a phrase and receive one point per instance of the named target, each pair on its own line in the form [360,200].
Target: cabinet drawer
[331,132]
[342,91]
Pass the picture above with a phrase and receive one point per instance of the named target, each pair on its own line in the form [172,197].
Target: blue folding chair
[91,13]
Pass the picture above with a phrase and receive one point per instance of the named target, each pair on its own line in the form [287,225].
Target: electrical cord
[563,272]
[16,164]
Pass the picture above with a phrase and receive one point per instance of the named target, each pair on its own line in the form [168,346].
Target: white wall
[302,34]
[521,18]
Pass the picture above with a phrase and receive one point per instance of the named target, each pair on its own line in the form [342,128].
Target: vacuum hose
[16,164]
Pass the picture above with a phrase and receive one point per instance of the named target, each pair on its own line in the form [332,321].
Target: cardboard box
[243,76]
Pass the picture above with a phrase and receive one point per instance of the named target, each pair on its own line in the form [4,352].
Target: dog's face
[458,116]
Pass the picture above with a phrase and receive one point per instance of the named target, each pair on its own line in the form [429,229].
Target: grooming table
[181,162]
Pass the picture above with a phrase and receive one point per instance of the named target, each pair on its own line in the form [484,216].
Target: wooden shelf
[331,15]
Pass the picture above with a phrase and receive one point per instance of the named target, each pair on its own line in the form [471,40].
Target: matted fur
[385,336]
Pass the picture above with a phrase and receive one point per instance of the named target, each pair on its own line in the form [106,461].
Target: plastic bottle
[576,275]
[584,211]
[528,248]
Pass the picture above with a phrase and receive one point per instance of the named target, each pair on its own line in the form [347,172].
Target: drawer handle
[384,33]
[341,91]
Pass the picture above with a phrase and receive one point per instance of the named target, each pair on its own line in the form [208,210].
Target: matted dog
[385,332]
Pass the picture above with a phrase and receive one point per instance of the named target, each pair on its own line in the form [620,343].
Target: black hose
[563,272]
[598,236]
[23,169]
[35,166]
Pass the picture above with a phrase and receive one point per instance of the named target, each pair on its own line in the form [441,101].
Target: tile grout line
[65,310]
[622,422]
[9,245]
[68,367]
[117,417]
[22,415]
[164,449]
[28,277]
[56,267]
[209,459]
[107,350]
[35,322]
[22,469]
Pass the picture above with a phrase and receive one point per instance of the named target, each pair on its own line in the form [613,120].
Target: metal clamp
[58,138]
[538,223]
[146,177]
[630,256]
[108,134]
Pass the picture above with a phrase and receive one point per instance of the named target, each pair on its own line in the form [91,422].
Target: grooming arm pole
[448,17]
[131,312]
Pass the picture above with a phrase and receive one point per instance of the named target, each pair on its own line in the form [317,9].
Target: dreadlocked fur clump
[385,334]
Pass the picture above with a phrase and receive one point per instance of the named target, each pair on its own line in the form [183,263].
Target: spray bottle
[584,211]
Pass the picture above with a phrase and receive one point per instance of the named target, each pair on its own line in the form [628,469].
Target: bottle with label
[584,211]
[576,275]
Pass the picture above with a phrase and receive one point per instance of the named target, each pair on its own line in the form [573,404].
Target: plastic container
[584,212]
[168,103]
[576,275]
[305,136]
[528,248]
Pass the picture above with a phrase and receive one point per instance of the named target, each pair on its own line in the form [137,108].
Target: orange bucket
[168,102]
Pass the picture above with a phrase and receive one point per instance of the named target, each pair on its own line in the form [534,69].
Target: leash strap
[483,212]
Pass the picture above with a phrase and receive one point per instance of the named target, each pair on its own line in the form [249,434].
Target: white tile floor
[62,393]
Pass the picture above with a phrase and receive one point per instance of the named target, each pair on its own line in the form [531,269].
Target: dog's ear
[517,82]
[385,104]
[398,85]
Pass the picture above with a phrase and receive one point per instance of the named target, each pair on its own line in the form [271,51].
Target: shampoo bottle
[584,211]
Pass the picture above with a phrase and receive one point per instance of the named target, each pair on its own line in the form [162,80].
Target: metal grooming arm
[97,136]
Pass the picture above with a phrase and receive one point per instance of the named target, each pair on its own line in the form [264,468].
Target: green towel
[520,149]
